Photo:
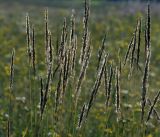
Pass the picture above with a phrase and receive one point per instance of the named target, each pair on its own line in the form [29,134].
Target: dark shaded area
[62,3]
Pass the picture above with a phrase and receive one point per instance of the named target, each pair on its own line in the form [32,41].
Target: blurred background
[116,17]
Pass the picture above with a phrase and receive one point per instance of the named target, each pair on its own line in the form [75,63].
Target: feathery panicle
[101,50]
[45,98]
[139,42]
[119,61]
[58,90]
[128,51]
[109,85]
[57,45]
[82,74]
[72,31]
[120,65]
[134,47]
[55,71]
[81,116]
[46,38]
[11,90]
[85,31]
[74,51]
[28,37]
[145,83]
[62,48]
[106,81]
[12,69]
[49,50]
[146,41]
[152,107]
[146,69]
[66,69]
[154,110]
[33,52]
[73,43]
[96,85]
[117,86]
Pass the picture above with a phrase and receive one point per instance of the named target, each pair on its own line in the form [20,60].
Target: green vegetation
[64,73]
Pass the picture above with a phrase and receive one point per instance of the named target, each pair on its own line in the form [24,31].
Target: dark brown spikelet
[154,110]
[58,91]
[82,74]
[139,42]
[62,48]
[50,49]
[55,71]
[146,41]
[119,61]
[120,65]
[145,83]
[109,86]
[152,107]
[72,31]
[128,51]
[11,92]
[106,81]
[147,32]
[33,52]
[12,69]
[96,85]
[74,51]
[57,44]
[66,69]
[147,62]
[81,116]
[46,89]
[101,50]
[117,86]
[85,31]
[28,37]
[73,44]
[134,47]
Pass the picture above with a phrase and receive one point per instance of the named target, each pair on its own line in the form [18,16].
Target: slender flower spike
[139,42]
[81,116]
[109,86]
[101,50]
[45,98]
[12,69]
[85,31]
[28,37]
[147,64]
[152,107]
[96,85]
[154,110]
[33,52]
[117,74]
[128,51]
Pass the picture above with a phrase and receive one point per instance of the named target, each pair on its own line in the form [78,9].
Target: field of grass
[79,70]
